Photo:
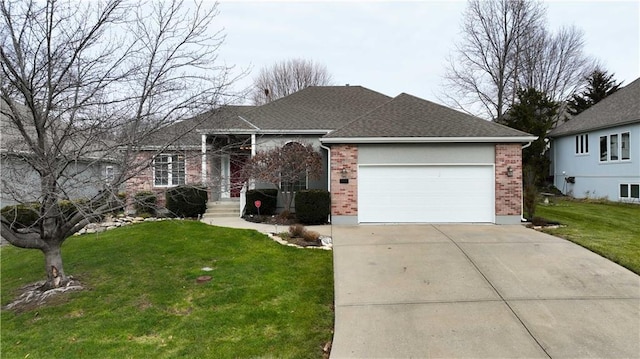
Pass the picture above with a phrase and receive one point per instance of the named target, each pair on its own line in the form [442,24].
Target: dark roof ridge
[315,107]
[407,115]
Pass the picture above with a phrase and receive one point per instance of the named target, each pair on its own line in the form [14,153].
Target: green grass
[265,300]
[607,228]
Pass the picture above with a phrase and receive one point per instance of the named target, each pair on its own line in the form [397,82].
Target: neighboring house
[20,183]
[597,153]
[399,159]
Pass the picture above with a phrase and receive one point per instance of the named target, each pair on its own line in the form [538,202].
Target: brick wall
[143,181]
[344,196]
[508,189]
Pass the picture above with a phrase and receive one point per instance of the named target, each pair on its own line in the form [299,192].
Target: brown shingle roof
[224,118]
[410,116]
[316,108]
[620,108]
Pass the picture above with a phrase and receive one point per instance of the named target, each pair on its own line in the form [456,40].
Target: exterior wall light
[343,172]
[509,171]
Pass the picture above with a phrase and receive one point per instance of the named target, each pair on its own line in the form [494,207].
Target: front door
[237,178]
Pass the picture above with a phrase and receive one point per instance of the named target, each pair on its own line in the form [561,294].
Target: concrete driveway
[478,291]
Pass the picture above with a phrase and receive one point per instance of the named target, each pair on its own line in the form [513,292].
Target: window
[293,175]
[630,190]
[582,144]
[615,147]
[603,148]
[109,175]
[169,170]
[613,144]
[625,151]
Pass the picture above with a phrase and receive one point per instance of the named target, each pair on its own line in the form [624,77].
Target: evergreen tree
[534,112]
[599,85]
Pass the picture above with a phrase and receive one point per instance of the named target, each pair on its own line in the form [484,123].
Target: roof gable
[184,133]
[412,117]
[316,108]
[620,108]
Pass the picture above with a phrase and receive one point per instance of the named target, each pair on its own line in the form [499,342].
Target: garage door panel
[425,194]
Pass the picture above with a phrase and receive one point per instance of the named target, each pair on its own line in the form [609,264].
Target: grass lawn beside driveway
[610,229]
[142,300]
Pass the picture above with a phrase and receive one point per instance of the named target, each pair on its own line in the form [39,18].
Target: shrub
[21,215]
[268,197]
[530,196]
[313,206]
[297,230]
[145,203]
[187,201]
[70,208]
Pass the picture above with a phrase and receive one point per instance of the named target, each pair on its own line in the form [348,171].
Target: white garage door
[405,194]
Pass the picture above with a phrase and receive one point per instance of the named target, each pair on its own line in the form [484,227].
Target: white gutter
[428,139]
[328,166]
[328,171]
[262,132]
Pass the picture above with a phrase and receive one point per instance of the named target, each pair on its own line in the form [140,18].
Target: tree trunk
[53,265]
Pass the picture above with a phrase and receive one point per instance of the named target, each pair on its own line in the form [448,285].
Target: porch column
[252,183]
[204,160]
[225,176]
[253,144]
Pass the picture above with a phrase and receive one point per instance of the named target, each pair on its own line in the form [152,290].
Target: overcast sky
[395,47]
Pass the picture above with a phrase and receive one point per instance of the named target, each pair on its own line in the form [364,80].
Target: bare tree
[553,63]
[83,84]
[286,77]
[285,167]
[480,78]
[506,47]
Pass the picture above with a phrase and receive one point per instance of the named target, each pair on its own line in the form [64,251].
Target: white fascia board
[168,148]
[226,131]
[262,132]
[523,139]
[295,132]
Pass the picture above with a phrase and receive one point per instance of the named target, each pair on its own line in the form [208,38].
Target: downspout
[522,219]
[328,170]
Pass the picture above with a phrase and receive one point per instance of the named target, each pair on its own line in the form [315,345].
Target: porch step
[225,208]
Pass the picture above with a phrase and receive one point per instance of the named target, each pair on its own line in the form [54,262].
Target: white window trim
[628,198]
[583,141]
[306,184]
[169,169]
[608,137]
[108,177]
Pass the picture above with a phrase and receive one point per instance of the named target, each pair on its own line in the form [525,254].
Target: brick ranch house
[387,160]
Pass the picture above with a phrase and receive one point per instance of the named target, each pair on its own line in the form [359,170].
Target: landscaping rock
[115,222]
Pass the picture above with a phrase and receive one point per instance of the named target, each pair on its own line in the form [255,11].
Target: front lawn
[607,228]
[143,301]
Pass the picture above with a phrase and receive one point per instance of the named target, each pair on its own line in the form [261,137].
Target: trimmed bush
[313,206]
[187,201]
[21,215]
[145,202]
[268,197]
